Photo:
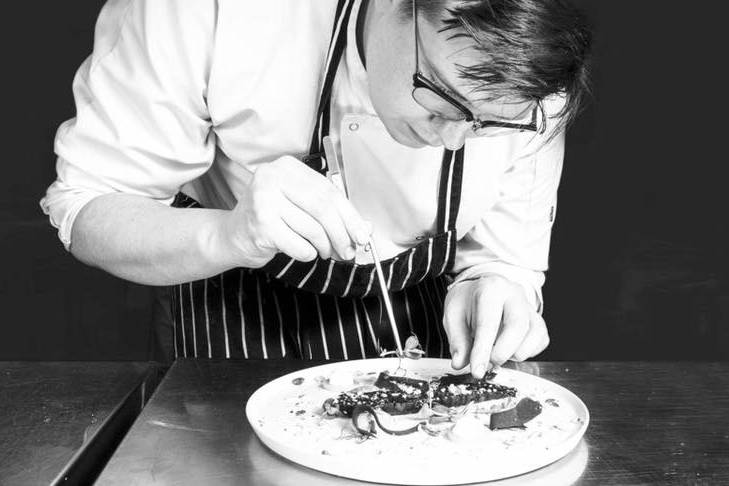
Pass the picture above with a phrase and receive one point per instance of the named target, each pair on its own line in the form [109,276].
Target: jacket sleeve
[512,237]
[142,125]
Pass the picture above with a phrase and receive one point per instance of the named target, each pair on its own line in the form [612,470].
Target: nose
[452,133]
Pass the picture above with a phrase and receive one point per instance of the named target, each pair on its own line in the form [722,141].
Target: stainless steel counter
[651,423]
[60,421]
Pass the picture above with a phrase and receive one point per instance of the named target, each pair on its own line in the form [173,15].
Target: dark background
[639,261]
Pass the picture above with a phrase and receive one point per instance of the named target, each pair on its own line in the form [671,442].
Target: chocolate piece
[457,390]
[516,417]
[394,403]
[401,384]
[464,379]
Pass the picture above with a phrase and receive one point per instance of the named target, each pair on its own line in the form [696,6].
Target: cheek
[390,84]
[388,93]
[390,67]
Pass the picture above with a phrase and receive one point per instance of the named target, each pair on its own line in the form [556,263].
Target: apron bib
[324,309]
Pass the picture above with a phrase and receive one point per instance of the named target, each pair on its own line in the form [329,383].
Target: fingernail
[479,371]
[361,237]
[363,234]
[455,360]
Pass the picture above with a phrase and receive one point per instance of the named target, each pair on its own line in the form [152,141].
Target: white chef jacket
[195,95]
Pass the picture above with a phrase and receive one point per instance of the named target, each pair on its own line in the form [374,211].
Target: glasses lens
[436,105]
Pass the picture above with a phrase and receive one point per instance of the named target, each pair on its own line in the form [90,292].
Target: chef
[197,160]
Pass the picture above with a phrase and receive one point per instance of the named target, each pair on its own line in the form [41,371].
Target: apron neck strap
[336,48]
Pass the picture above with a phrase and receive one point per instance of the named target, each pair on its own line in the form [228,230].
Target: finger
[320,199]
[357,228]
[536,340]
[308,228]
[328,215]
[486,322]
[455,323]
[514,328]
[311,189]
[290,243]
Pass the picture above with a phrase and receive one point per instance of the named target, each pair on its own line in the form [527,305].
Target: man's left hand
[490,321]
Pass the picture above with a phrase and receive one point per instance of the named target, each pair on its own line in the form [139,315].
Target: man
[197,156]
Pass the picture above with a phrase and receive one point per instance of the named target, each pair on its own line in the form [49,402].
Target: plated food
[391,420]
[437,405]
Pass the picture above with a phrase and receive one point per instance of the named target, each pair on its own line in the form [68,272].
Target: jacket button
[353,127]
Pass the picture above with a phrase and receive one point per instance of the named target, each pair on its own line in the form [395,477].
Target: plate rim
[330,464]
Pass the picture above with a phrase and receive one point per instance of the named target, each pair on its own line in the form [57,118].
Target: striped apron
[324,309]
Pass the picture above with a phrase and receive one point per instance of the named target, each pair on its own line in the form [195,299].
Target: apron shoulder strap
[336,48]
[449,190]
[449,197]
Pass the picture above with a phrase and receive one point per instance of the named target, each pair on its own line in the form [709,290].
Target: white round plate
[286,415]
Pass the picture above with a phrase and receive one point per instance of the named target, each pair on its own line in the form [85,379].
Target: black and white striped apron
[324,309]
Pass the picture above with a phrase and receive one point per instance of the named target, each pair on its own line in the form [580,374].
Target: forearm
[141,240]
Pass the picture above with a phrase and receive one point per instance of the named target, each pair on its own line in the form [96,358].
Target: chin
[406,137]
[410,143]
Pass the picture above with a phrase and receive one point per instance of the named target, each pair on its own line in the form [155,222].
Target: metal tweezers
[335,176]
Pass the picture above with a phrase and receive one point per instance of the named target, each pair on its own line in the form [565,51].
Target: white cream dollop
[468,429]
[341,379]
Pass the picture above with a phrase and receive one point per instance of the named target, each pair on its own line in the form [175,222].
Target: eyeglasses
[437,101]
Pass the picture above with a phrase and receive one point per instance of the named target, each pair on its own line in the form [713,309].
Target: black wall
[52,306]
[639,262]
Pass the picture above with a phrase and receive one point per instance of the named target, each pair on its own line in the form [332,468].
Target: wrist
[215,243]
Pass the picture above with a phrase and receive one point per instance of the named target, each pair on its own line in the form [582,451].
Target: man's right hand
[293,209]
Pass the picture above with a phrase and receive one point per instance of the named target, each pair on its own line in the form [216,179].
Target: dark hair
[531,49]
